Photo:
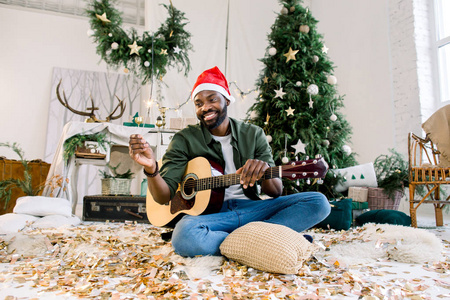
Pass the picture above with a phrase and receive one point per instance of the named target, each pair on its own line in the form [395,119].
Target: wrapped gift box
[358,194]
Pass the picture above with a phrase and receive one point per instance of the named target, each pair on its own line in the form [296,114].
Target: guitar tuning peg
[308,181]
[318,156]
[320,181]
[307,157]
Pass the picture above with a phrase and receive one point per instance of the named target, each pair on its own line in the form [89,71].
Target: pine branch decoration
[167,47]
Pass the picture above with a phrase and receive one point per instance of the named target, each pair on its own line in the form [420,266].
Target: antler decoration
[91,114]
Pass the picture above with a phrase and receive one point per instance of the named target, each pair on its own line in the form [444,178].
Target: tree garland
[147,56]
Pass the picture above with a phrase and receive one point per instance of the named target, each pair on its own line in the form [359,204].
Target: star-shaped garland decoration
[134,48]
[299,147]
[176,50]
[103,18]
[311,103]
[163,52]
[290,111]
[291,54]
[279,93]
[324,49]
[265,79]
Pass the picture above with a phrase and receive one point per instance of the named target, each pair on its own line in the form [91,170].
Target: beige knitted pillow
[268,247]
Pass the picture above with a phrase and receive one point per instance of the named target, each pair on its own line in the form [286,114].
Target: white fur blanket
[375,242]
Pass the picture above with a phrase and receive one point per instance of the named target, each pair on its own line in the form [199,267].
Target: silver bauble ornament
[147,64]
[347,150]
[315,58]
[114,46]
[284,11]
[269,138]
[298,83]
[285,160]
[110,34]
[312,89]
[331,79]
[333,117]
[272,51]
[253,114]
[326,143]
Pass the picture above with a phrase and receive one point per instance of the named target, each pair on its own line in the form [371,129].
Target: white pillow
[358,176]
[12,223]
[56,221]
[268,247]
[41,206]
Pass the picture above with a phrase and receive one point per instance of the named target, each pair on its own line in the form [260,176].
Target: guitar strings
[219,181]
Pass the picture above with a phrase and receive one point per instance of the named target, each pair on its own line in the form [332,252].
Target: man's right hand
[141,153]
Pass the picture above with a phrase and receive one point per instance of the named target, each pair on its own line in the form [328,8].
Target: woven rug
[131,261]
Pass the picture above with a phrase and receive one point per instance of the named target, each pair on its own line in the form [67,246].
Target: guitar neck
[222,181]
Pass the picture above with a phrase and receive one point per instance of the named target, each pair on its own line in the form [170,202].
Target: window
[442,11]
[132,10]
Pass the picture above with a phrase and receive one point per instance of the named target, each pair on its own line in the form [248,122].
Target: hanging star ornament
[291,54]
[311,103]
[279,93]
[265,79]
[134,48]
[163,52]
[176,50]
[290,111]
[299,147]
[103,18]
[324,49]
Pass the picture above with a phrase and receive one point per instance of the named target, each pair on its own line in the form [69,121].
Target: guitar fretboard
[230,179]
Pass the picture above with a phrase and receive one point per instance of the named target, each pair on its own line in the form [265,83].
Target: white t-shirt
[234,191]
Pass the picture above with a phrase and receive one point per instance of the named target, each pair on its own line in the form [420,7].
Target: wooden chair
[424,170]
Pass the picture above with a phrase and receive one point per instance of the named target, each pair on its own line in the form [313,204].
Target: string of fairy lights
[151,102]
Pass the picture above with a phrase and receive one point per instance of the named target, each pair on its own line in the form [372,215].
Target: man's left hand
[252,171]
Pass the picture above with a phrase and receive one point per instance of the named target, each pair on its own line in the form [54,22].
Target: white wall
[32,43]
[357,35]
[359,45]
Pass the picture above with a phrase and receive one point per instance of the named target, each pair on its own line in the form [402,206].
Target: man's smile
[209,115]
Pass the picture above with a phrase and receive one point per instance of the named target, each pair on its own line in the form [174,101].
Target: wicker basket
[116,186]
[379,200]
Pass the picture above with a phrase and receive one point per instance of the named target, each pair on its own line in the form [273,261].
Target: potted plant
[79,144]
[115,183]
[29,185]
[392,175]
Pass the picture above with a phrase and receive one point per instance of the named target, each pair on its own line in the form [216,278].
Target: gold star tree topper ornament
[290,54]
[134,48]
[103,18]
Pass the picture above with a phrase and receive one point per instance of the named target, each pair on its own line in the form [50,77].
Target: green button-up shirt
[248,142]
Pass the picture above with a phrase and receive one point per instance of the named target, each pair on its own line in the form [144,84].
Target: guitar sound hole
[189,187]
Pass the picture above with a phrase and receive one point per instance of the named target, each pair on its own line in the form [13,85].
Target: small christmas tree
[298,105]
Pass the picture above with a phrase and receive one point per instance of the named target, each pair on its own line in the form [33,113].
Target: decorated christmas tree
[298,105]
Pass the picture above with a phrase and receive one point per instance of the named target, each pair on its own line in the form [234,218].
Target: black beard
[219,121]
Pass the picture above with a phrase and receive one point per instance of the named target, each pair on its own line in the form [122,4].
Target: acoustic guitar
[201,193]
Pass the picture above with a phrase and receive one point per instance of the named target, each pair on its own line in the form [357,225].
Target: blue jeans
[202,235]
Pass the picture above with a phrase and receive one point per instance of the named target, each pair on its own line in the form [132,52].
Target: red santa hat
[212,80]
